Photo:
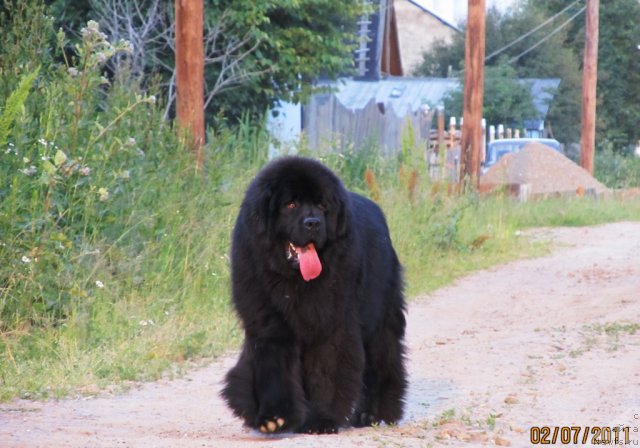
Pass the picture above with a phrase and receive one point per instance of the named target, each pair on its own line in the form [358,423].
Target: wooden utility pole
[473,93]
[589,83]
[190,73]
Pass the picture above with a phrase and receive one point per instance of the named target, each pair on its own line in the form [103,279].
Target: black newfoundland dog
[318,288]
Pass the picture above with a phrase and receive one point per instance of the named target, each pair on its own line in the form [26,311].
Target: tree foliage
[503,95]
[559,55]
[26,37]
[619,73]
[506,100]
[257,52]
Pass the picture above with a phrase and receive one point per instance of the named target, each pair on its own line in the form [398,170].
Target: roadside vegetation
[115,253]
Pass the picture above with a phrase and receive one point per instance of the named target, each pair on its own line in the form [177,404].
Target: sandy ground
[517,346]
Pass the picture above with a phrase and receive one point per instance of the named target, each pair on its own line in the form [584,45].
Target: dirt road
[553,342]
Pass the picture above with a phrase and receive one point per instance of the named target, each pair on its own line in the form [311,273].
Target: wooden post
[473,92]
[190,73]
[441,148]
[589,82]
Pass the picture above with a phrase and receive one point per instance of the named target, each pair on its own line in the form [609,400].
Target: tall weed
[114,252]
[617,170]
[66,186]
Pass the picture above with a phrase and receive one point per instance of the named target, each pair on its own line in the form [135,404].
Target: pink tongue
[310,266]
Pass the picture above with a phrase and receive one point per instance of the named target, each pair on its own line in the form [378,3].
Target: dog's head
[300,206]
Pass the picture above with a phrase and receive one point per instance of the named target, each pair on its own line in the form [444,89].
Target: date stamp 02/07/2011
[613,435]
[580,435]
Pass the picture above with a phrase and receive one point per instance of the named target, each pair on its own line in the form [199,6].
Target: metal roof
[409,95]
[403,95]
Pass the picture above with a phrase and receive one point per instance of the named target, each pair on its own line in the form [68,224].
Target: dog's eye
[291,205]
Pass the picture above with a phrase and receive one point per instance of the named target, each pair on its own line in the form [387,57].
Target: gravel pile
[545,171]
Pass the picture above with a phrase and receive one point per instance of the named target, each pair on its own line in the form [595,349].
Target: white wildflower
[26,259]
[92,29]
[29,171]
[101,57]
[131,141]
[84,171]
[145,322]
[73,72]
[104,194]
[99,284]
[152,99]
[126,46]
[92,25]
[43,142]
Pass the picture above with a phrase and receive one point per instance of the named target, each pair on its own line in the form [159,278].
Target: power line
[541,41]
[524,36]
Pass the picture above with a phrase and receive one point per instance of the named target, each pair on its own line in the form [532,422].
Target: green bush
[114,251]
[66,189]
[616,169]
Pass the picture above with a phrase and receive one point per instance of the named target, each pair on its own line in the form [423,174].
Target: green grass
[610,336]
[440,238]
[165,300]
[615,329]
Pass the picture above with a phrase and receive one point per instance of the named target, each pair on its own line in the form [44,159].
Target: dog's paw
[362,419]
[272,425]
[319,426]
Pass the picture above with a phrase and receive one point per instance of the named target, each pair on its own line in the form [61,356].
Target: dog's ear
[259,202]
[271,208]
[339,218]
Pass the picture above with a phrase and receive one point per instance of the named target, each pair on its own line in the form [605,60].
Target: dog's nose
[311,223]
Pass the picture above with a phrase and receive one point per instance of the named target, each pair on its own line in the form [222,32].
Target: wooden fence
[443,148]
[329,125]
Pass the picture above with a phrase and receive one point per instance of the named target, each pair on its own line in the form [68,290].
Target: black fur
[323,353]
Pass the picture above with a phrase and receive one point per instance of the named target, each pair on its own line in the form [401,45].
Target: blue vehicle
[498,148]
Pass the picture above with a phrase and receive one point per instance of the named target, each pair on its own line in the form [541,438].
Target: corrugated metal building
[361,112]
